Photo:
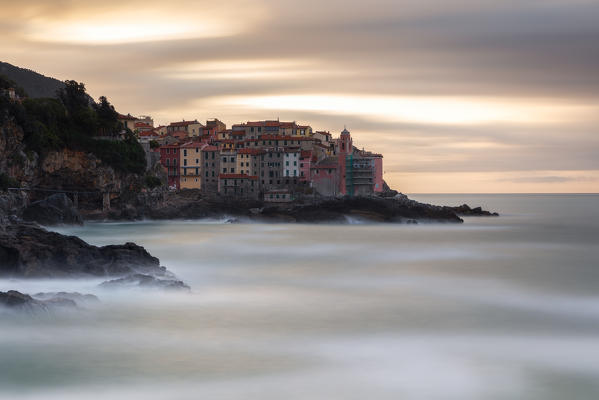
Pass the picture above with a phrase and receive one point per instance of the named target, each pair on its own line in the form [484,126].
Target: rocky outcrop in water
[144,281]
[53,210]
[21,302]
[30,251]
[78,298]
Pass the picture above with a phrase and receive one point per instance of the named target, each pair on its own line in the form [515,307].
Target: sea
[495,308]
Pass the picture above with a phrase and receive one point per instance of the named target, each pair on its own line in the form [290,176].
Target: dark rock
[22,302]
[78,298]
[145,281]
[465,210]
[53,210]
[30,251]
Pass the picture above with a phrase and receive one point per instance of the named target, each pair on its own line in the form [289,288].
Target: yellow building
[248,161]
[191,165]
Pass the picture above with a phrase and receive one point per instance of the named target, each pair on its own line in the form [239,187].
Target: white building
[291,167]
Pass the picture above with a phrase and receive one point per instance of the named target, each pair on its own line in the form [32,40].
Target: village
[269,160]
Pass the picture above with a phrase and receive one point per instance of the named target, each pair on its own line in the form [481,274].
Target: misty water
[496,308]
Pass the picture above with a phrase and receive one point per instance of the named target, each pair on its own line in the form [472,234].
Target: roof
[210,148]
[184,123]
[193,145]
[345,131]
[326,133]
[127,117]
[142,125]
[306,154]
[248,150]
[237,176]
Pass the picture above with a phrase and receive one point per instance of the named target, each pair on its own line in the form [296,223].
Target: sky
[460,96]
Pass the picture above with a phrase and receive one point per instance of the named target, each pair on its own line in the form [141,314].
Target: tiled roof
[184,123]
[127,117]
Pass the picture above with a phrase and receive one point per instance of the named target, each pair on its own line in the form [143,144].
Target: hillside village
[274,161]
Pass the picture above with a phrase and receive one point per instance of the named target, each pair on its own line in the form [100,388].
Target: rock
[465,210]
[21,302]
[53,210]
[144,281]
[78,298]
[30,251]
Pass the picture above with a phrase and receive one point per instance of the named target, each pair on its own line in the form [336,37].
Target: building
[192,128]
[291,166]
[249,161]
[169,158]
[324,177]
[191,165]
[238,185]
[278,196]
[210,168]
[128,121]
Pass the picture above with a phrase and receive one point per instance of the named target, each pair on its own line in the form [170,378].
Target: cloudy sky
[459,95]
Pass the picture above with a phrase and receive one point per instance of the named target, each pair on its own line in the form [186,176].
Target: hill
[35,85]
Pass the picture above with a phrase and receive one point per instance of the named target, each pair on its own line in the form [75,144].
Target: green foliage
[152,181]
[123,155]
[107,117]
[7,181]
[154,144]
[73,121]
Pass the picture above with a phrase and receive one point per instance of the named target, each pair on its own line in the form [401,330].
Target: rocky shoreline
[27,250]
[192,204]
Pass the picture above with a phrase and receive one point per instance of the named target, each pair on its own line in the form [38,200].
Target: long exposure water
[496,308]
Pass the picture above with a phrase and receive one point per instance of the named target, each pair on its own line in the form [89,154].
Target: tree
[108,122]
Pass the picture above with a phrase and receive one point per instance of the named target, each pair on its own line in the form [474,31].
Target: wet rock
[21,302]
[465,210]
[77,298]
[144,281]
[53,210]
[26,250]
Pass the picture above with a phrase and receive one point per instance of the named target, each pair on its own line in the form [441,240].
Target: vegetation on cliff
[74,122]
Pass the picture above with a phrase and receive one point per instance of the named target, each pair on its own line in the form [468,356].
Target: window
[295,163]
[168,162]
[301,165]
[224,170]
[174,161]
[197,171]
[224,159]
[287,163]
[197,161]
[185,161]
[197,149]
[287,172]
[295,172]
[232,159]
